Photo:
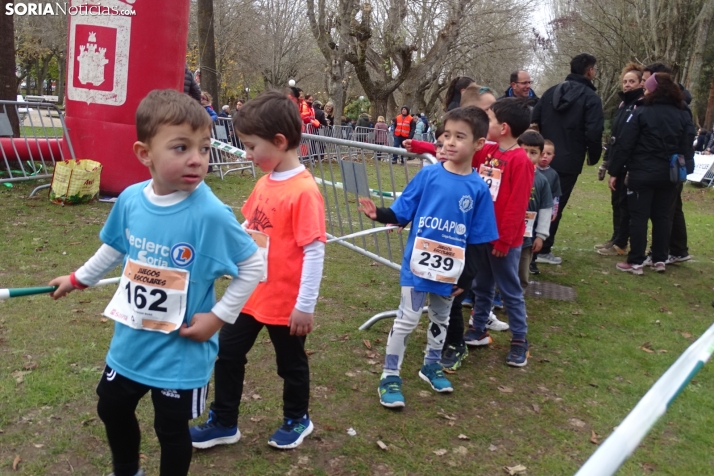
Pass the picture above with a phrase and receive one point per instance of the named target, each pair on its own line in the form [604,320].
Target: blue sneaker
[468,302]
[213,433]
[497,301]
[291,433]
[474,339]
[434,374]
[390,392]
[518,356]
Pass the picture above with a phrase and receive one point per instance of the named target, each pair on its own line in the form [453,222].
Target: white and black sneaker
[495,325]
[677,259]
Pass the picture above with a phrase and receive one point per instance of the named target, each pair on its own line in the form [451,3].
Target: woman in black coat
[631,95]
[651,135]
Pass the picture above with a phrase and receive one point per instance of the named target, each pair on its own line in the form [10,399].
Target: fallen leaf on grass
[103,319]
[647,347]
[576,422]
[255,396]
[310,352]
[19,375]
[662,351]
[38,445]
[88,421]
[448,417]
[460,450]
[16,462]
[382,445]
[492,448]
[256,419]
[464,437]
[504,389]
[303,460]
[424,393]
[686,335]
[536,407]
[649,467]
[350,374]
[367,344]
[143,456]
[593,438]
[440,452]
[513,470]
[30,366]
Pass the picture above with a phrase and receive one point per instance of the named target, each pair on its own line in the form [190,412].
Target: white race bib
[263,242]
[150,298]
[492,177]
[437,261]
[530,222]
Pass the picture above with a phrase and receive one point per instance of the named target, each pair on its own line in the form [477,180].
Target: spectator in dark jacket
[702,140]
[319,113]
[678,246]
[655,131]
[570,115]
[631,95]
[190,86]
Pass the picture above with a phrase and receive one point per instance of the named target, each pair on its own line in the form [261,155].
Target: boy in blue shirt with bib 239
[174,238]
[450,209]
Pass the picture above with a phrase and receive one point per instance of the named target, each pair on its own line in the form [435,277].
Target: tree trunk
[700,46]
[8,81]
[61,62]
[207,50]
[709,117]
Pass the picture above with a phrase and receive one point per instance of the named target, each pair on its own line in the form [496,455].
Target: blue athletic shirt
[445,207]
[199,234]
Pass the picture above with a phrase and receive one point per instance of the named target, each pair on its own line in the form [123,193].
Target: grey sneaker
[139,473]
[677,259]
[548,258]
[660,267]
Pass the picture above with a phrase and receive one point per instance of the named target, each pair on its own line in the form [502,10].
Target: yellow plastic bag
[75,182]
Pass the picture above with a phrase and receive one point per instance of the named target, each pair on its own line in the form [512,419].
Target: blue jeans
[492,271]
[398,143]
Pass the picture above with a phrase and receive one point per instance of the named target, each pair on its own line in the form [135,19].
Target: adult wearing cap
[660,128]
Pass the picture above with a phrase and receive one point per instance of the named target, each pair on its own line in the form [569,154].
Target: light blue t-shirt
[199,234]
[444,207]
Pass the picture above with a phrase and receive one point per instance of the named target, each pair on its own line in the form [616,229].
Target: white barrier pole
[628,435]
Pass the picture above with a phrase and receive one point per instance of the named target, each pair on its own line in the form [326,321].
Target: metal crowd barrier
[348,170]
[227,150]
[33,155]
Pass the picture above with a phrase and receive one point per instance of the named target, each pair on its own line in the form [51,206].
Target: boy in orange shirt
[285,215]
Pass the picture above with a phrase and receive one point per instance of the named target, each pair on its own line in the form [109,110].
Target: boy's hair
[473,93]
[550,143]
[168,107]
[439,131]
[473,116]
[581,63]
[208,96]
[271,113]
[514,112]
[531,138]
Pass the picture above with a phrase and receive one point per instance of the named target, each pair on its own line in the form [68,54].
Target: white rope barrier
[626,438]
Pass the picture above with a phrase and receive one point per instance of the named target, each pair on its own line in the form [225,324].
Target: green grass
[586,361]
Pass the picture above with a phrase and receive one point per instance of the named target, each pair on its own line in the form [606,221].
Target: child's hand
[455,290]
[368,207]
[612,183]
[203,326]
[537,244]
[64,286]
[498,254]
[407,144]
[300,323]
[398,230]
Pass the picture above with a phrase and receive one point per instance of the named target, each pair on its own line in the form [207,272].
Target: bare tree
[8,80]
[207,49]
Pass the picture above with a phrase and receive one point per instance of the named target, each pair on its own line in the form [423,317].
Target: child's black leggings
[124,438]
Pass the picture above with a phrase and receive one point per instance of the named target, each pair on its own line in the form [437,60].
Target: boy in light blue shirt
[174,238]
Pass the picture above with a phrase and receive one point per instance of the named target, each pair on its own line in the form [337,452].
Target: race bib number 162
[150,298]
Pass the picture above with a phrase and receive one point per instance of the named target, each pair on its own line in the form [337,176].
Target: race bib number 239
[437,261]
[150,298]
